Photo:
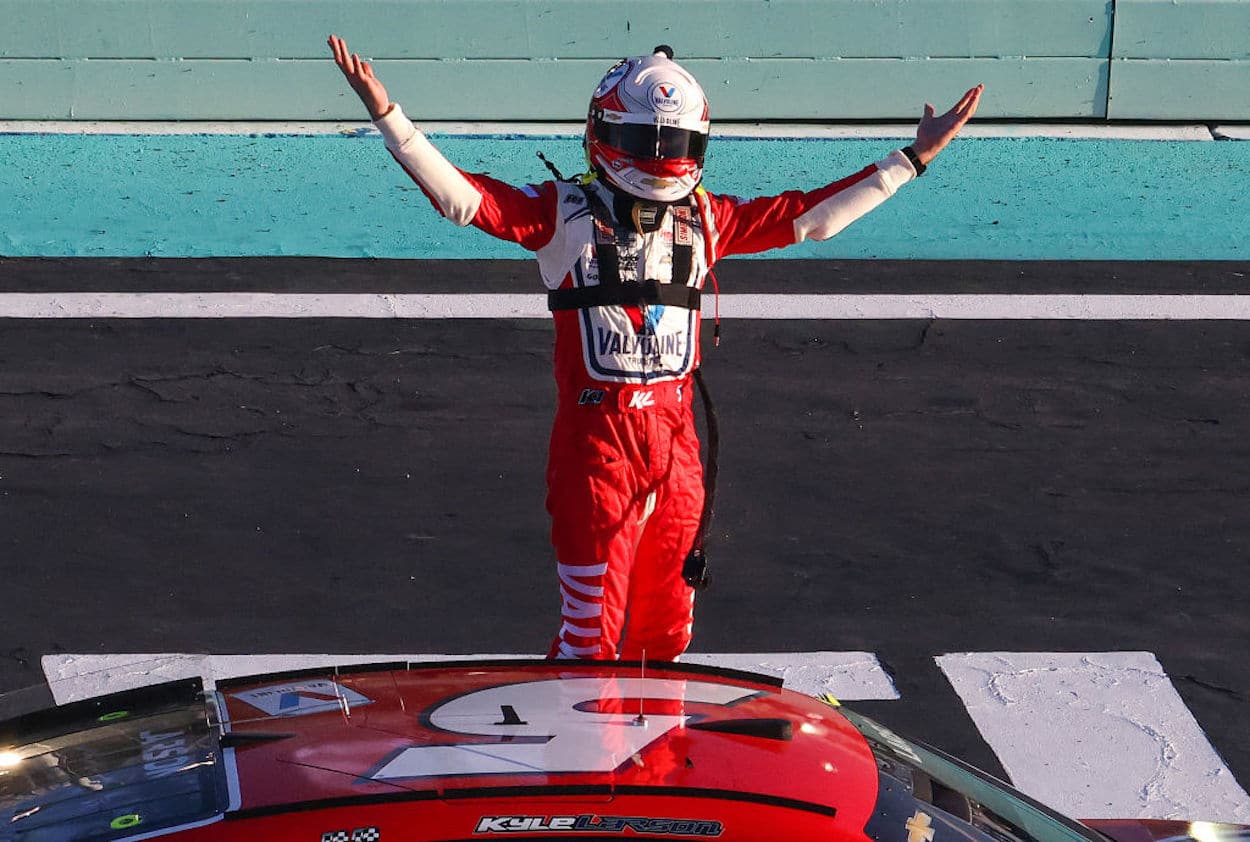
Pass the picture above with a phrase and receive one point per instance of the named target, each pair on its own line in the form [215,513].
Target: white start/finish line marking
[1096,735]
[853,676]
[847,675]
[240,305]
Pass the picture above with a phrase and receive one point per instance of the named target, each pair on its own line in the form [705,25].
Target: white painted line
[1232,132]
[1096,735]
[239,305]
[1095,307]
[1094,131]
[847,675]
[76,677]
[195,127]
[833,131]
[182,127]
[73,678]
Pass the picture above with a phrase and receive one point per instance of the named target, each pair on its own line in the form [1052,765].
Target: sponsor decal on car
[359,834]
[591,823]
[570,736]
[919,828]
[164,752]
[297,698]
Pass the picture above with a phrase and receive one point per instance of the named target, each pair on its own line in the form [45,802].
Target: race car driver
[625,251]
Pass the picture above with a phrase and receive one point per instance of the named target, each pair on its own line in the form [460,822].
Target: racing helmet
[647,128]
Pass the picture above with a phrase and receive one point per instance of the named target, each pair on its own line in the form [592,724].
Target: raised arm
[359,74]
[745,227]
[934,133]
[526,217]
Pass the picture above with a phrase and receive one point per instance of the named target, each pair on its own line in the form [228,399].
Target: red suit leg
[591,496]
[661,604]
[611,556]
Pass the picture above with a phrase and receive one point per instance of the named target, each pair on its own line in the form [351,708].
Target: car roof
[442,751]
[667,738]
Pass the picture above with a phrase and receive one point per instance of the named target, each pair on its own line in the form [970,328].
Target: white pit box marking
[1096,734]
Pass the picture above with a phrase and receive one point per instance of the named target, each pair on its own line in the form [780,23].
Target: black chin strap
[647,216]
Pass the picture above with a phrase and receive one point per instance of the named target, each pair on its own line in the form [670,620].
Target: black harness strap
[611,290]
[606,251]
[647,292]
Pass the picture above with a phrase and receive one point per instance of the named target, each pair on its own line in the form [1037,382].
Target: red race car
[568,751]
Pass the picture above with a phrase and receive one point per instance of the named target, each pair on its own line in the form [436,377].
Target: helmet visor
[652,142]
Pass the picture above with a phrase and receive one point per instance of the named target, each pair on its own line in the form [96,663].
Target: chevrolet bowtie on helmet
[647,128]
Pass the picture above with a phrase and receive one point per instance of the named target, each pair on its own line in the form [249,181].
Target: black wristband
[915,160]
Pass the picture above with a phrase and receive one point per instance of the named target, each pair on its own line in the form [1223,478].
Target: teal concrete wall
[233,195]
[538,59]
[1180,59]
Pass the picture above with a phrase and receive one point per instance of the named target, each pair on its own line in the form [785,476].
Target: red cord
[709,253]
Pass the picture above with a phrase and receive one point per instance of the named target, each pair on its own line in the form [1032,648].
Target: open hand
[360,76]
[934,133]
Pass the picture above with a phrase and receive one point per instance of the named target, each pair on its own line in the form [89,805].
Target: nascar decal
[554,726]
[165,752]
[297,698]
[591,823]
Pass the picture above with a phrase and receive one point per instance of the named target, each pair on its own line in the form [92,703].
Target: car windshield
[925,796]
[132,763]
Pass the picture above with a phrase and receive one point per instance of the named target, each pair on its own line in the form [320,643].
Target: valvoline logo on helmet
[667,96]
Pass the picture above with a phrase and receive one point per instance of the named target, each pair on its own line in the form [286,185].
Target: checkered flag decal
[360,834]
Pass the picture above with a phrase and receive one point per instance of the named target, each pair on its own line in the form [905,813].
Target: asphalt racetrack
[905,487]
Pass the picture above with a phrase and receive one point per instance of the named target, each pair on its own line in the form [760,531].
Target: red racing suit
[624,479]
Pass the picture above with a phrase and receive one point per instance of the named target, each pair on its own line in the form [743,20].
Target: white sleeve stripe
[841,209]
[456,197]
